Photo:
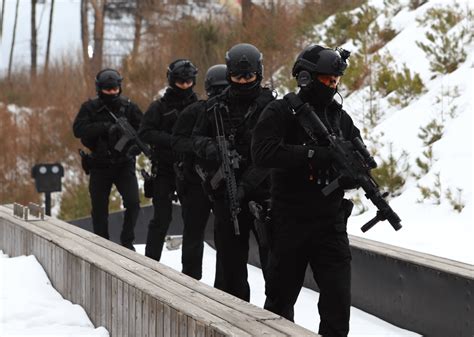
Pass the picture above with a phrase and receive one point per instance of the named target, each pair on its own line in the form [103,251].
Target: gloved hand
[133,151]
[212,152]
[320,157]
[347,183]
[115,132]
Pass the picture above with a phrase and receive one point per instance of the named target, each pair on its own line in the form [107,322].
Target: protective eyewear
[329,80]
[246,76]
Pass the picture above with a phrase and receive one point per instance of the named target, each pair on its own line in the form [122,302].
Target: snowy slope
[427,227]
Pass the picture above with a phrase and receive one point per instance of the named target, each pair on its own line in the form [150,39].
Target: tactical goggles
[246,76]
[329,80]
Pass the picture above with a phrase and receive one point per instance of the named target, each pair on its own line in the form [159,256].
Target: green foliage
[339,31]
[356,73]
[414,4]
[433,193]
[455,201]
[425,163]
[407,86]
[392,172]
[445,48]
[431,132]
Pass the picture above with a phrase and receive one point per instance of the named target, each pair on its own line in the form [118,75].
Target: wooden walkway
[130,294]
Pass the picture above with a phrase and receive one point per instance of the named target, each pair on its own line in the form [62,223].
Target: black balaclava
[318,94]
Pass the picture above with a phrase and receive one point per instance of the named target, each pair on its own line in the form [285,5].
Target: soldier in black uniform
[156,130]
[238,107]
[308,227]
[96,128]
[196,205]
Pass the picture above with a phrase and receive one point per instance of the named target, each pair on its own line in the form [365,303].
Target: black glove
[115,132]
[320,157]
[133,151]
[212,152]
[347,183]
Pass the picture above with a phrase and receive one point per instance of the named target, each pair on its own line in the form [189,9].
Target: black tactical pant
[100,184]
[233,250]
[195,210]
[297,243]
[164,187]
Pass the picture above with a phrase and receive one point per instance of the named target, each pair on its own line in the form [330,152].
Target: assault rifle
[229,161]
[129,134]
[352,160]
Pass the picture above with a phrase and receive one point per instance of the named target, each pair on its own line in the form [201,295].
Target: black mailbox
[47,177]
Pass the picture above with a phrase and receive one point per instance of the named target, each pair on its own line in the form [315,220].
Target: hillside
[430,223]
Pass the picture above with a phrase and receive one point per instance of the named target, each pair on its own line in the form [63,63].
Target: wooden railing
[130,294]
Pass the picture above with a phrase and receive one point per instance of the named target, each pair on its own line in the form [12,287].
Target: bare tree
[34,44]
[48,43]
[13,40]
[246,12]
[1,18]
[138,31]
[99,25]
[85,34]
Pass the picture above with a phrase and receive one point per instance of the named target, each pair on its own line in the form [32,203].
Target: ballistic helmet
[108,79]
[216,78]
[319,60]
[244,58]
[181,69]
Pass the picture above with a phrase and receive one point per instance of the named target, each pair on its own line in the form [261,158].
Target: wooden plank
[86,286]
[191,327]
[102,295]
[183,324]
[94,291]
[200,329]
[108,300]
[152,316]
[174,322]
[132,312]
[159,319]
[125,310]
[145,314]
[166,320]
[138,311]
[114,307]
[119,308]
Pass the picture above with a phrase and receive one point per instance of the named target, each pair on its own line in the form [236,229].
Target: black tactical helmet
[244,58]
[320,60]
[216,76]
[107,79]
[181,69]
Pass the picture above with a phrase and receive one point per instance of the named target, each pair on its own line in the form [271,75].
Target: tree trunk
[2,14]
[85,36]
[99,19]
[48,43]
[138,30]
[246,12]
[34,46]
[13,40]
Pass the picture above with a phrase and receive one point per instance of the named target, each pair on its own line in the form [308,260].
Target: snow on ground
[30,306]
[306,311]
[429,226]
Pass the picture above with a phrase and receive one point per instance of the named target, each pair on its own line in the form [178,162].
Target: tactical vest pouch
[262,222]
[85,161]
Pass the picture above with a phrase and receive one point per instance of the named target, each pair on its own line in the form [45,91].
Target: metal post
[47,203]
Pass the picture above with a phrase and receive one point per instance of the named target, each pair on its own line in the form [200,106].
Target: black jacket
[239,119]
[157,126]
[278,143]
[181,141]
[92,124]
